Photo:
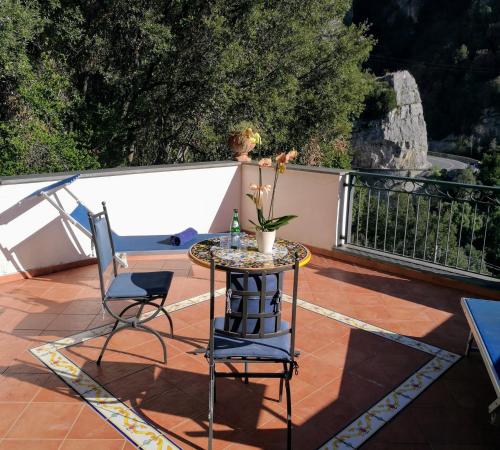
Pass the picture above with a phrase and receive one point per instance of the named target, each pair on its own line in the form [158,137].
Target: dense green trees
[156,81]
[36,99]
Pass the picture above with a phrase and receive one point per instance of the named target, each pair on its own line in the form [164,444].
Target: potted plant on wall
[265,229]
[243,137]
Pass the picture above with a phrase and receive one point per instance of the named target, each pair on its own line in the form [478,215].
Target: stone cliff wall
[398,141]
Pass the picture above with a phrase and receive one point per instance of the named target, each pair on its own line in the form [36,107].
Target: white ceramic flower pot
[265,241]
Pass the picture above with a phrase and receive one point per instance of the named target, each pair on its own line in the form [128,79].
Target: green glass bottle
[235,230]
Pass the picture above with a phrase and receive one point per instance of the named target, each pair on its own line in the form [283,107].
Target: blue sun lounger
[484,321]
[123,244]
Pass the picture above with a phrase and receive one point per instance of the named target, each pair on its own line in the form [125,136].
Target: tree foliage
[158,81]
[380,100]
[425,227]
[36,99]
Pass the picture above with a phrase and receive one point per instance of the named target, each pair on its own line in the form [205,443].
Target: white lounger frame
[121,258]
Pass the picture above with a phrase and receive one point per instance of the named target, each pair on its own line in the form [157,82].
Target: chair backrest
[103,242]
[253,304]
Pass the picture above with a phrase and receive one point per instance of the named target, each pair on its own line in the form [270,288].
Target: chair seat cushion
[486,316]
[274,348]
[139,284]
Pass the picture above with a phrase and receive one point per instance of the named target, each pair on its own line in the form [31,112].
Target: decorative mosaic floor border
[367,424]
[119,415]
[147,437]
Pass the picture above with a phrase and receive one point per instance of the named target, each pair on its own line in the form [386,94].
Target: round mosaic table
[247,257]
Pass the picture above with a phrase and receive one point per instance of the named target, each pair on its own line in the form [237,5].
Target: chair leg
[246,371]
[110,335]
[288,414]
[285,370]
[169,317]
[211,397]
[153,331]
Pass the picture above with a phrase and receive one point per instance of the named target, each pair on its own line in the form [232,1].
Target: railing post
[345,212]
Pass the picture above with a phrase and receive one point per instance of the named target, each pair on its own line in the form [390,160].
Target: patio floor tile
[343,370]
[89,425]
[93,444]
[23,444]
[9,413]
[71,322]
[45,421]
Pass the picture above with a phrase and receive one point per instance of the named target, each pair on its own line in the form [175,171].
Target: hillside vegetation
[87,84]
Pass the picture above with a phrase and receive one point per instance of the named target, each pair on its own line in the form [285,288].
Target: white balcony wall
[34,235]
[312,194]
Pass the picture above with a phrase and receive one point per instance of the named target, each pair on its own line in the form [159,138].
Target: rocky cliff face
[398,141]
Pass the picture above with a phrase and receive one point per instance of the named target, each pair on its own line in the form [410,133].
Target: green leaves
[268,224]
[275,223]
[272,224]
[143,83]
[37,97]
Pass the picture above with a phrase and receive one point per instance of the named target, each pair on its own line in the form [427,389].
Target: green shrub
[379,101]
[336,154]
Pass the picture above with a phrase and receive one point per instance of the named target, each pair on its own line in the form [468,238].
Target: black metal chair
[252,332]
[142,288]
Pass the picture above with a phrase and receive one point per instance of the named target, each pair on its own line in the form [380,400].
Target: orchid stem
[259,192]
[271,206]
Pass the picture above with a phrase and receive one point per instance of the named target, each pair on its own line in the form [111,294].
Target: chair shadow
[453,326]
[174,395]
[392,285]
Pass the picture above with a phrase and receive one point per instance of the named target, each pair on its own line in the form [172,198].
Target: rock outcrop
[398,141]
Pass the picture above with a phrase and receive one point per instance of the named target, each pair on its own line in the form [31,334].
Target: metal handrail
[427,180]
[440,222]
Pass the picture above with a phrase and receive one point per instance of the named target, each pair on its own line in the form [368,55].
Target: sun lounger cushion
[486,316]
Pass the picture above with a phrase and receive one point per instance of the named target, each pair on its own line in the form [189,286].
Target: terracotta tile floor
[343,369]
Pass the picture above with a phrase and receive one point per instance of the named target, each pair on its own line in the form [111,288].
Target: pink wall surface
[313,194]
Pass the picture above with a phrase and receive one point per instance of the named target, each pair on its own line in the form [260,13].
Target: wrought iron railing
[450,224]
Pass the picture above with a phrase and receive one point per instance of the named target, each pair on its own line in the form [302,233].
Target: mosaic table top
[247,257]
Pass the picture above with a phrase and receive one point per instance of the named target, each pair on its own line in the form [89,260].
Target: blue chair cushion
[139,284]
[274,348]
[253,302]
[486,315]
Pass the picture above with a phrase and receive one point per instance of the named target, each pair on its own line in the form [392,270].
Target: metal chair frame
[136,321]
[288,366]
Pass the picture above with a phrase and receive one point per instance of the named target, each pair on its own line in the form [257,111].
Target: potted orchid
[265,229]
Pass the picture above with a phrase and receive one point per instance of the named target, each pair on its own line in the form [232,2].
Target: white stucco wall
[34,235]
[313,195]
